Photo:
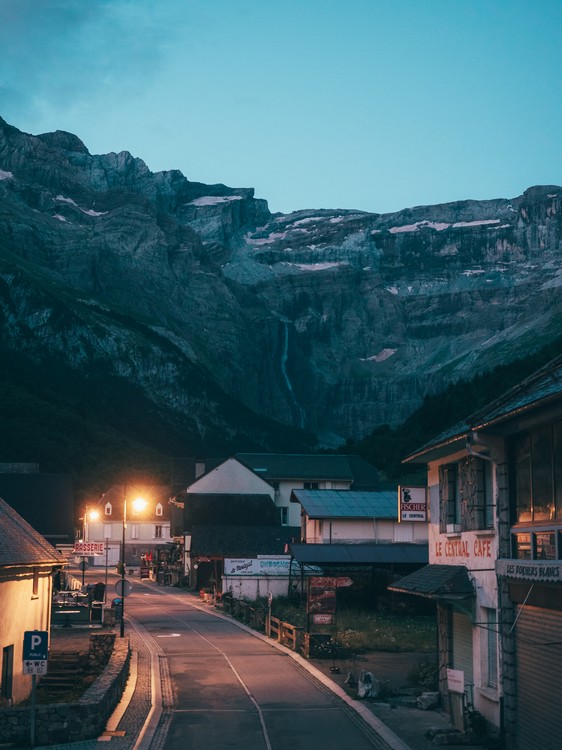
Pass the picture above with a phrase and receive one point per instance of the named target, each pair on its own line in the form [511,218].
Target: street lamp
[139,504]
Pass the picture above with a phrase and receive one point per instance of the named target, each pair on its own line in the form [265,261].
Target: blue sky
[362,104]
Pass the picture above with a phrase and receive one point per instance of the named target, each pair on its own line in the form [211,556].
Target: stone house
[27,564]
[495,560]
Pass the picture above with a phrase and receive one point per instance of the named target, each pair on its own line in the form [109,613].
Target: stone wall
[72,722]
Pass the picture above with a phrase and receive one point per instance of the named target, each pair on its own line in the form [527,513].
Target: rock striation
[334,321]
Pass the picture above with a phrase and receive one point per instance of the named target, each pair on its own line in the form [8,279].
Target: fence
[289,635]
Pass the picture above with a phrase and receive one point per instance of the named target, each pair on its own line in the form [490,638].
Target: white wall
[33,613]
[341,531]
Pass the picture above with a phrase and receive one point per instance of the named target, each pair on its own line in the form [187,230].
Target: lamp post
[138,504]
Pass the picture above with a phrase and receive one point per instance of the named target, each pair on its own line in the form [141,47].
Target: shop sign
[530,570]
[412,504]
[89,548]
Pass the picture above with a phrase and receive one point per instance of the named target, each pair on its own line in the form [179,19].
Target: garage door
[539,667]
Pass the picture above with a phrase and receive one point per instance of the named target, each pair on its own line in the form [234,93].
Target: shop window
[522,546]
[545,545]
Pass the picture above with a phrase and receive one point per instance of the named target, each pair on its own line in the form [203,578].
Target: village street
[229,688]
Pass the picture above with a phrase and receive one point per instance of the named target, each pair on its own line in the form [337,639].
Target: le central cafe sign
[412,504]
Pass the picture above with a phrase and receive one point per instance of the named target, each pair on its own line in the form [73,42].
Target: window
[310,485]
[107,531]
[158,532]
[135,530]
[284,516]
[538,475]
[492,642]
[488,494]
[35,582]
[7,672]
[159,509]
[451,494]
[107,509]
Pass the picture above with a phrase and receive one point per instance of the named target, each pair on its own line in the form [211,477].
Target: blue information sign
[35,644]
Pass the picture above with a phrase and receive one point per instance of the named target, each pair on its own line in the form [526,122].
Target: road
[228,687]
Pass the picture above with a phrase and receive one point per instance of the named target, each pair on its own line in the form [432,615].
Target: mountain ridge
[334,321]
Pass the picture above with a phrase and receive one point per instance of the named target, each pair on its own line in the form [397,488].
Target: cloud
[65,50]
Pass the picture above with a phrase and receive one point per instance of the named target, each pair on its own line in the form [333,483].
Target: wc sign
[35,651]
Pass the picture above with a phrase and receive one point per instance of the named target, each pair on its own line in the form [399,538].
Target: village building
[495,561]
[27,564]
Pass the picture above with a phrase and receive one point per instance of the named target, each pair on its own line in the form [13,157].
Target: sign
[412,504]
[331,582]
[89,548]
[35,645]
[123,587]
[530,570]
[35,666]
[322,619]
[455,680]
[268,566]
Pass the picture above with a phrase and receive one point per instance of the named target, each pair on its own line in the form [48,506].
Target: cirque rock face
[335,321]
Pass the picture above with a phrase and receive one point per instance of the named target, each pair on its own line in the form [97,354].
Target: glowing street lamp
[139,504]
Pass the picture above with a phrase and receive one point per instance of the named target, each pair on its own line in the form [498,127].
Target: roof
[241,541]
[46,501]
[21,544]
[540,389]
[347,503]
[154,494]
[360,554]
[437,582]
[311,467]
[211,509]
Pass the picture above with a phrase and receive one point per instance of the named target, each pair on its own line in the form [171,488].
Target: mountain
[210,315]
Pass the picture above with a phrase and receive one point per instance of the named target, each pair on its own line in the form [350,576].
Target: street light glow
[139,504]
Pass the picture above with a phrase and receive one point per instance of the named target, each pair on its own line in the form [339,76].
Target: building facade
[496,559]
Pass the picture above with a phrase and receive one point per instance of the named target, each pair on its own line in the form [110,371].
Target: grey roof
[311,467]
[540,389]
[228,508]
[21,544]
[347,503]
[241,541]
[437,582]
[360,554]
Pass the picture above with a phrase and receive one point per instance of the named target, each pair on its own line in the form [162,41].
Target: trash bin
[95,613]
[117,605]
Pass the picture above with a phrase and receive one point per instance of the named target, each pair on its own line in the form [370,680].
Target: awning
[437,582]
[360,554]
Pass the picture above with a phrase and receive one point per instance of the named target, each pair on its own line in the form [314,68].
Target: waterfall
[284,357]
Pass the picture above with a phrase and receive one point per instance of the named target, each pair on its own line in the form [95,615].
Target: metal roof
[21,544]
[310,467]
[240,541]
[347,503]
[437,582]
[360,554]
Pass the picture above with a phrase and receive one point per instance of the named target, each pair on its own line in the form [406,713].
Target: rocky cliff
[332,321]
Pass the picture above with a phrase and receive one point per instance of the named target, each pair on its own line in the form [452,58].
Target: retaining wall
[71,722]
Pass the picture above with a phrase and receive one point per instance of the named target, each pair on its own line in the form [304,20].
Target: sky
[375,105]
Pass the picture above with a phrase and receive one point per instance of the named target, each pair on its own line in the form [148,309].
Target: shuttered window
[492,639]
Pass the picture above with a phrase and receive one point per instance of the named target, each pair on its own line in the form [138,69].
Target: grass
[360,632]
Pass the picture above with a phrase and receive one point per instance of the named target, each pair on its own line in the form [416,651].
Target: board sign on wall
[412,504]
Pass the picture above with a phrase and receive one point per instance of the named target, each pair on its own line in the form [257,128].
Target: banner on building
[412,504]
[89,548]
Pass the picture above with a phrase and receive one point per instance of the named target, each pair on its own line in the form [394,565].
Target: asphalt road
[224,687]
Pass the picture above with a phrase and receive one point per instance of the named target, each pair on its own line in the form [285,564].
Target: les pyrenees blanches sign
[257,567]
[412,503]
